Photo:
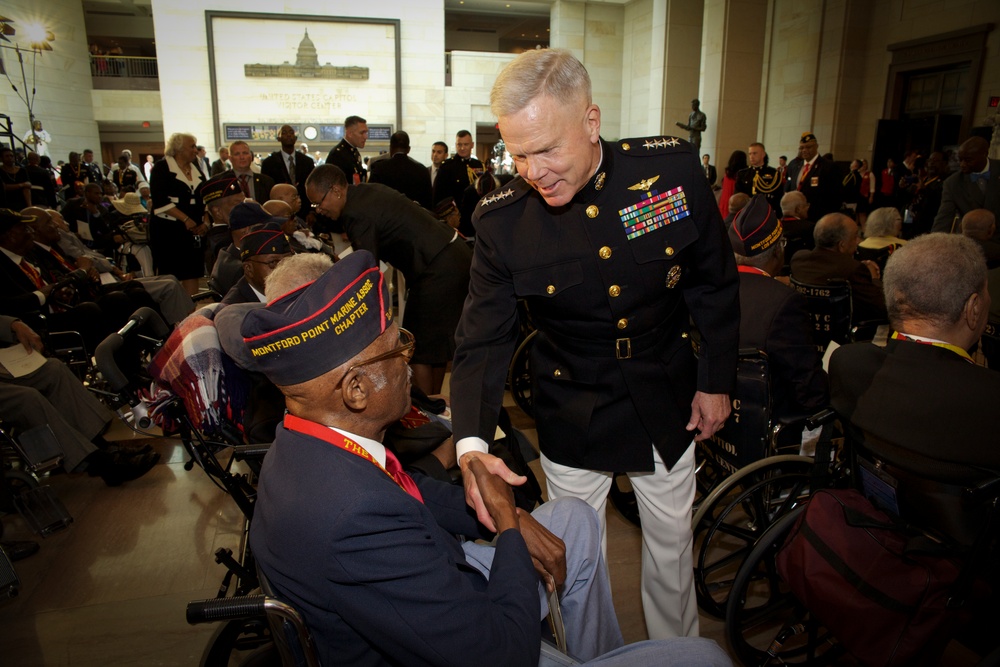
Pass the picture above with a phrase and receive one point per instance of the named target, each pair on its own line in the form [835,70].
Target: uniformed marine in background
[760,179]
[615,247]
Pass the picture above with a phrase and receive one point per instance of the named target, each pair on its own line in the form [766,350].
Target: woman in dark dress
[16,186]
[176,225]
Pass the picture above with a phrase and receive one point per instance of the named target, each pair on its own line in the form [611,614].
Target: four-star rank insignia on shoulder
[654,146]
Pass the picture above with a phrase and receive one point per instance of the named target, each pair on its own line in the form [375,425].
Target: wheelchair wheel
[733,516]
[20,481]
[765,624]
[707,474]
[519,376]
[235,641]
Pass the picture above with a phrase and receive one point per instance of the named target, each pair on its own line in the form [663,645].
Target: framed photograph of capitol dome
[312,71]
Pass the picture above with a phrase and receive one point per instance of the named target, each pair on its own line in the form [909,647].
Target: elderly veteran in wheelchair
[366,552]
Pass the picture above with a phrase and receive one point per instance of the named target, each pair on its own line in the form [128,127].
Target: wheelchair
[832,311]
[748,478]
[766,624]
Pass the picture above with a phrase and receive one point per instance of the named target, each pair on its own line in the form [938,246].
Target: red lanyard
[338,439]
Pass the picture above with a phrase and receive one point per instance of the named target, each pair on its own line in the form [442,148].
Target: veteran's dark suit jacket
[960,195]
[776,321]
[275,165]
[822,186]
[920,397]
[403,174]
[818,266]
[595,295]
[379,577]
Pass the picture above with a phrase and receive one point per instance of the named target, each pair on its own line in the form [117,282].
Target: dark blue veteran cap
[266,240]
[247,213]
[223,185]
[755,228]
[317,327]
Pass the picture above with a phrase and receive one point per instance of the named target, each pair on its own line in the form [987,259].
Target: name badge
[814,181]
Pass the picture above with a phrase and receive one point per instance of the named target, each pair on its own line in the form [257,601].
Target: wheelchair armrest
[986,490]
[225,609]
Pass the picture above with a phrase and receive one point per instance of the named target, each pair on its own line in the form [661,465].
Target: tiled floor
[112,588]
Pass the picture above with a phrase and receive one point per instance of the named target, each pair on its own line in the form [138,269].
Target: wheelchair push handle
[105,352]
[225,609]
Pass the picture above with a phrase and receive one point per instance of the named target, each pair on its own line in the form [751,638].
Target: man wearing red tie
[816,178]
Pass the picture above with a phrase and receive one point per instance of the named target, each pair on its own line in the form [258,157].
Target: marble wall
[61,76]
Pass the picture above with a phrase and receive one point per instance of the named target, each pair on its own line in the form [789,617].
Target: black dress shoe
[119,472]
[19,550]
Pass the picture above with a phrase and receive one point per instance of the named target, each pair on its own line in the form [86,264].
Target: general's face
[287,136]
[241,157]
[555,145]
[463,146]
[755,155]
[357,134]
[438,154]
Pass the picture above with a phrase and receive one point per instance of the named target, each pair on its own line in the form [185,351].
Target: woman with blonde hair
[176,225]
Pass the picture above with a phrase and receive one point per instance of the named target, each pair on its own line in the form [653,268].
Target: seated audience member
[780,324]
[130,220]
[51,395]
[448,213]
[300,235]
[980,225]
[837,238]
[883,235]
[43,187]
[736,204]
[260,250]
[30,287]
[171,298]
[220,195]
[228,267]
[922,391]
[359,546]
[89,218]
[796,226]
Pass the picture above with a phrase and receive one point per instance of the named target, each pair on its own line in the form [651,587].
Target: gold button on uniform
[625,147]
[592,211]
[669,251]
[684,335]
[604,252]
[614,290]
[557,373]
[551,289]
[622,323]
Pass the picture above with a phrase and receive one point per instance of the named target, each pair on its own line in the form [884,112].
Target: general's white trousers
[665,499]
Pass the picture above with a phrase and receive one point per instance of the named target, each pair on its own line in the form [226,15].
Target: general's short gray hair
[294,272]
[791,202]
[883,221]
[554,72]
[931,277]
[174,143]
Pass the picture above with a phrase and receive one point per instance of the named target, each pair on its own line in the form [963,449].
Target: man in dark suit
[459,171]
[401,172]
[256,186]
[976,184]
[222,164]
[261,251]
[780,325]
[615,247]
[347,154]
[289,165]
[711,175]
[837,238]
[429,254]
[922,391]
[816,178]
[368,553]
[439,153]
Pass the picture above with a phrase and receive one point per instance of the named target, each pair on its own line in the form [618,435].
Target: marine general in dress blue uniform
[616,247]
